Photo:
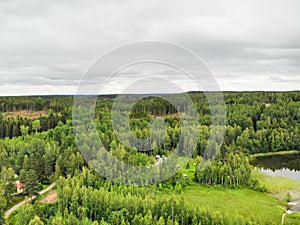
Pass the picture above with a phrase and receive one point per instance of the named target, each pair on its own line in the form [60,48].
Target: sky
[47,46]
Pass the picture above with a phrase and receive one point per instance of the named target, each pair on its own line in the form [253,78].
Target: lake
[285,165]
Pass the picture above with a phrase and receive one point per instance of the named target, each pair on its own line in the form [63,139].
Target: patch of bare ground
[26,114]
[51,197]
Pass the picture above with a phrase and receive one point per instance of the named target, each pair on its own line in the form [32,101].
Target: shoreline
[280,153]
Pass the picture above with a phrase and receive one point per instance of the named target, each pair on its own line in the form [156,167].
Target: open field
[264,206]
[245,202]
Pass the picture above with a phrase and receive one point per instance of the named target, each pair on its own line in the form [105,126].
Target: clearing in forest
[26,114]
[51,197]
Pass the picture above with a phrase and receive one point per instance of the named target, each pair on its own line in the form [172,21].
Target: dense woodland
[43,149]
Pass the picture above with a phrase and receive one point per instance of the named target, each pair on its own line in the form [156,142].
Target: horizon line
[168,93]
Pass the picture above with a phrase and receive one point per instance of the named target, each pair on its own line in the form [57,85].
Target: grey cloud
[52,43]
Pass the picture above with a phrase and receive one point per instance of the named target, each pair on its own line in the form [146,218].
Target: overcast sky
[45,46]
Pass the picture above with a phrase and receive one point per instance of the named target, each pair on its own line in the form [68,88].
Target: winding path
[14,208]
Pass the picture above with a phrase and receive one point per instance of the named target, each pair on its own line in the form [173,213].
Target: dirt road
[14,208]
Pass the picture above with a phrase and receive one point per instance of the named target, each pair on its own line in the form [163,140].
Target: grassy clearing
[51,197]
[41,197]
[233,202]
[278,186]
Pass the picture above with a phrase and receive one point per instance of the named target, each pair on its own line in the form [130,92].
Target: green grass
[278,186]
[190,171]
[245,202]
[292,219]
[11,218]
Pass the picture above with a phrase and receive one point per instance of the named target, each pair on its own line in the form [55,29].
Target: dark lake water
[279,165]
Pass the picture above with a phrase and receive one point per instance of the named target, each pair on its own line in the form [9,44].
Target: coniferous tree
[31,183]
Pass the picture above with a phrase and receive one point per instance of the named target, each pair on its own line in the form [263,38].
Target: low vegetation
[279,186]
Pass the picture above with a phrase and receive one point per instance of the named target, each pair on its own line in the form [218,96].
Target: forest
[38,147]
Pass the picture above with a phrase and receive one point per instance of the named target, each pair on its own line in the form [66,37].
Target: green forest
[38,147]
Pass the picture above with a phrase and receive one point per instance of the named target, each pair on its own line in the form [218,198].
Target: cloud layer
[45,46]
